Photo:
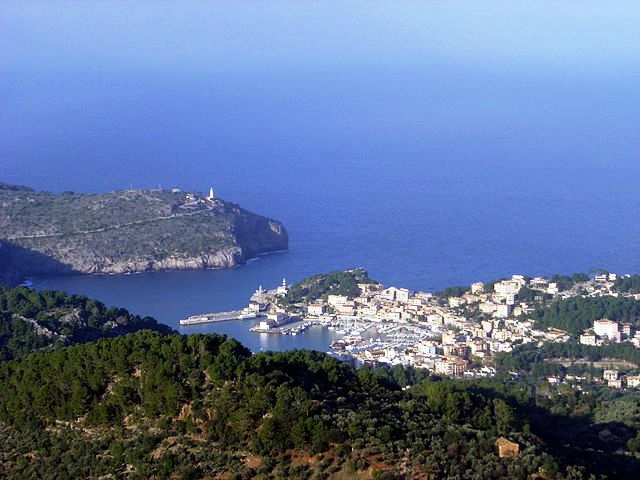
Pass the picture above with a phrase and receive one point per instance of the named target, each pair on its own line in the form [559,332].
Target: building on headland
[477,288]
[282,289]
[335,300]
[400,295]
[538,283]
[369,288]
[507,287]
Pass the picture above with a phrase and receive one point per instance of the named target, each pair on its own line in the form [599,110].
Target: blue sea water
[433,143]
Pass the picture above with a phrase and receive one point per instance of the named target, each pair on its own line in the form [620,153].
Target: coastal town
[455,332]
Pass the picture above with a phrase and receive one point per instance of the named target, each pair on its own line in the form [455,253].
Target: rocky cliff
[127,231]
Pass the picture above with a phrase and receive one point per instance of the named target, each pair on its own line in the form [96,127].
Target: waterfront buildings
[454,335]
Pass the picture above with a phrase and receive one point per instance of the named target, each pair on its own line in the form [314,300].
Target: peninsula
[127,231]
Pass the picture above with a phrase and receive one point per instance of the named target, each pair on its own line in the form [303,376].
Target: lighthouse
[211,194]
[282,289]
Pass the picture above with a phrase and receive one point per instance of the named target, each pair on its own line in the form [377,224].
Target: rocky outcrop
[225,257]
[17,262]
[126,232]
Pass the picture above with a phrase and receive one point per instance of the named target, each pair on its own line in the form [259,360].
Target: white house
[335,300]
[607,328]
[316,309]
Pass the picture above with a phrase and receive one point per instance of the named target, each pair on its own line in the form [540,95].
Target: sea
[432,143]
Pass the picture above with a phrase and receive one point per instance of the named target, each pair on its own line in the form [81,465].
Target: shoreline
[28,278]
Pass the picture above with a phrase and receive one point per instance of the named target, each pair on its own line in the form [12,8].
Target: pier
[218,317]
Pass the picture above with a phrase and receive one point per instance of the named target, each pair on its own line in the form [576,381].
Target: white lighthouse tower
[282,289]
[211,194]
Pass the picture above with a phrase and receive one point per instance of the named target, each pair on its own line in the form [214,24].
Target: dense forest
[81,397]
[530,358]
[337,282]
[628,284]
[566,282]
[32,320]
[168,406]
[576,314]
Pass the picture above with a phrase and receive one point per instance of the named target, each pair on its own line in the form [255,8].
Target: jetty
[218,317]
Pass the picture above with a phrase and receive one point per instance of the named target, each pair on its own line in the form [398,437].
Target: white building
[539,282]
[366,288]
[553,289]
[633,381]
[316,309]
[267,324]
[335,300]
[608,329]
[588,339]
[503,310]
[507,287]
[427,348]
[277,316]
[282,289]
[451,366]
[400,295]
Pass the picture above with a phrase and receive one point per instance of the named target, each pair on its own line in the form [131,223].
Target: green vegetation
[337,282]
[531,360]
[576,314]
[169,406]
[130,230]
[452,292]
[31,320]
[566,282]
[530,296]
[154,404]
[630,284]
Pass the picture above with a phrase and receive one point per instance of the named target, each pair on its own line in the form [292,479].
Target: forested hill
[576,314]
[31,320]
[336,282]
[127,231]
[146,405]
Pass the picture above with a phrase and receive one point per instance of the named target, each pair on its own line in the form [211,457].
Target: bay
[432,144]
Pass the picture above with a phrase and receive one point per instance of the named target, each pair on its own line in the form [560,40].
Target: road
[110,227]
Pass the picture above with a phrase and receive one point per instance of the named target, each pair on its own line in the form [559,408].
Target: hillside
[167,406]
[337,282]
[32,321]
[127,231]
